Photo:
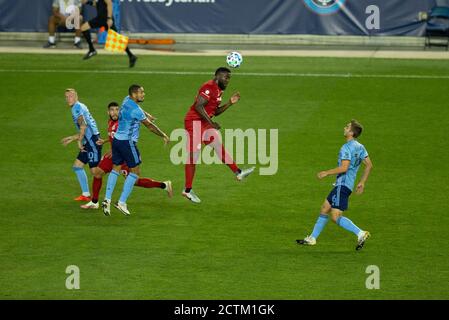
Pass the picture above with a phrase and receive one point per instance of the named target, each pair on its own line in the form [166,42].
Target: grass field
[240,242]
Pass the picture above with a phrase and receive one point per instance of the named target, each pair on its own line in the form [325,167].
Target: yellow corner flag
[115,42]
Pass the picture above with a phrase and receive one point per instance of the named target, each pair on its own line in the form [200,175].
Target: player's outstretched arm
[101,142]
[233,100]
[341,169]
[65,141]
[361,185]
[155,129]
[149,116]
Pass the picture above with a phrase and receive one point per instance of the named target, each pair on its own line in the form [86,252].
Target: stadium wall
[245,17]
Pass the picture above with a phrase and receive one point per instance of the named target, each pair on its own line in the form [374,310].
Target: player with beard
[199,118]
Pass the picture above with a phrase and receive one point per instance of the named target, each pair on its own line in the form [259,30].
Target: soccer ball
[234,59]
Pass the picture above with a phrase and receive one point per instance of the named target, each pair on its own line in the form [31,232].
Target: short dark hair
[356,128]
[221,70]
[112,104]
[134,88]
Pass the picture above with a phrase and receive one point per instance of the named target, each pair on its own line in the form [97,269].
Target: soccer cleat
[122,207]
[307,241]
[90,205]
[168,188]
[106,206]
[362,239]
[82,198]
[49,45]
[191,196]
[244,173]
[132,61]
[78,45]
[90,54]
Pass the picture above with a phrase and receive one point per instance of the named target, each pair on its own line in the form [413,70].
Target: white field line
[237,73]
[373,53]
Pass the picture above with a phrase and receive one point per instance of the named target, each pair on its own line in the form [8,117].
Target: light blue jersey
[79,109]
[356,153]
[129,119]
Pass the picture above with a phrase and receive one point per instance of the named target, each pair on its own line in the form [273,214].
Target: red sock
[96,187]
[190,173]
[226,158]
[148,183]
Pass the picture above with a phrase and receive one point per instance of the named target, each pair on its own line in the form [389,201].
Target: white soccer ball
[234,59]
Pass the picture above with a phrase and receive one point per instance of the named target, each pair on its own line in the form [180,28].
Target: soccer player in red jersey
[105,165]
[199,118]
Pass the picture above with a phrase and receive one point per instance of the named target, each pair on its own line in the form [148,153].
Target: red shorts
[106,165]
[205,134]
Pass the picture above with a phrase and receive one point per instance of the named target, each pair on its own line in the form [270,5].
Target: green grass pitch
[240,242]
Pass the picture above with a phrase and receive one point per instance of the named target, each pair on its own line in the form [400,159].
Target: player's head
[71,96]
[137,93]
[222,77]
[113,111]
[353,129]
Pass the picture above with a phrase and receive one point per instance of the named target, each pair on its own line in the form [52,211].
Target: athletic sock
[149,183]
[128,52]
[51,39]
[319,225]
[88,40]
[128,186]
[347,224]
[77,39]
[112,180]
[96,187]
[82,179]
[189,174]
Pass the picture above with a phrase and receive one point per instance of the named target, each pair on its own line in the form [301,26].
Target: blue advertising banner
[319,17]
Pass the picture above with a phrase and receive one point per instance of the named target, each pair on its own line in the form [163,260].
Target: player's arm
[83,127]
[233,100]
[149,116]
[101,142]
[341,169]
[65,141]
[199,107]
[155,129]
[368,166]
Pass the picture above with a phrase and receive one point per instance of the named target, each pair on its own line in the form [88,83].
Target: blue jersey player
[87,137]
[351,155]
[124,147]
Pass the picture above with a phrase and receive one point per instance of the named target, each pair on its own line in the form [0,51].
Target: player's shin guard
[82,179]
[112,180]
[319,225]
[149,183]
[347,224]
[96,187]
[128,186]
[89,40]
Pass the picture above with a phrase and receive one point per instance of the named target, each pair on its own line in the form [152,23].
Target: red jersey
[112,129]
[212,93]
